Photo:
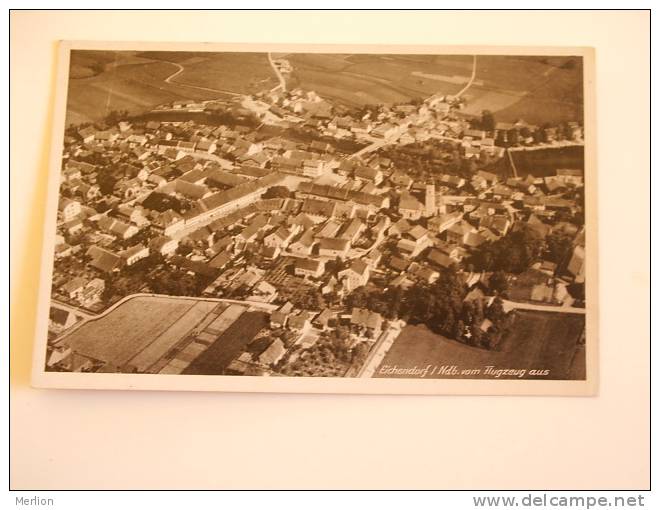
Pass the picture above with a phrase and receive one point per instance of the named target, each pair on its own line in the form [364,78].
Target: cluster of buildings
[260,215]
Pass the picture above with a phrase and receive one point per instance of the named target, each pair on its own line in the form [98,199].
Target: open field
[228,345]
[102,81]
[537,341]
[158,334]
[236,72]
[543,162]
[120,335]
[537,89]
[177,331]
[128,83]
[355,80]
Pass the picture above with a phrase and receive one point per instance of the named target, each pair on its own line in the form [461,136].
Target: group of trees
[486,122]
[558,247]
[517,251]
[513,253]
[516,136]
[177,283]
[277,192]
[431,158]
[331,355]
[311,299]
[440,306]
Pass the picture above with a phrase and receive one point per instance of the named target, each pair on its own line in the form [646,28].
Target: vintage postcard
[338,219]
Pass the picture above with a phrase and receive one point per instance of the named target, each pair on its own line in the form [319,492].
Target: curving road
[469,83]
[180,69]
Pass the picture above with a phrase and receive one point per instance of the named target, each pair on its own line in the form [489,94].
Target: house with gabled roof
[104,260]
[74,288]
[443,222]
[273,353]
[367,322]
[280,238]
[439,259]
[164,245]
[306,267]
[356,275]
[116,227]
[60,320]
[134,253]
[330,247]
[459,232]
[304,244]
[167,223]
[68,208]
[410,208]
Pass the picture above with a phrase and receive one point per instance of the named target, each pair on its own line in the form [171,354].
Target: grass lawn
[127,330]
[537,341]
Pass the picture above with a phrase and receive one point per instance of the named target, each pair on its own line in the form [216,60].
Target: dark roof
[439,258]
[326,191]
[333,244]
[308,264]
[224,197]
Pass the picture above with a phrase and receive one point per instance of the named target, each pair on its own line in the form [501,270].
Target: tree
[512,136]
[498,282]
[558,246]
[476,335]
[277,192]
[487,120]
[495,311]
[359,353]
[116,116]
[358,298]
[106,183]
[459,329]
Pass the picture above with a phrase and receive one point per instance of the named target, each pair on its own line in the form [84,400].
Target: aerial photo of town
[321,215]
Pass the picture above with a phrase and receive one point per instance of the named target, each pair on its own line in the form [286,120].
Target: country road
[469,83]
[180,69]
[393,138]
[175,73]
[542,308]
[278,73]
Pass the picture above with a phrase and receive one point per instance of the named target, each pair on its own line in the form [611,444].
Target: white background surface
[108,439]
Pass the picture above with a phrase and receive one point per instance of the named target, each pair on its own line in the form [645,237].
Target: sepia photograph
[393,214]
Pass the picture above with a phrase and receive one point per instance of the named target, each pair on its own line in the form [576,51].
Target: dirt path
[278,73]
[474,74]
[180,69]
[543,308]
